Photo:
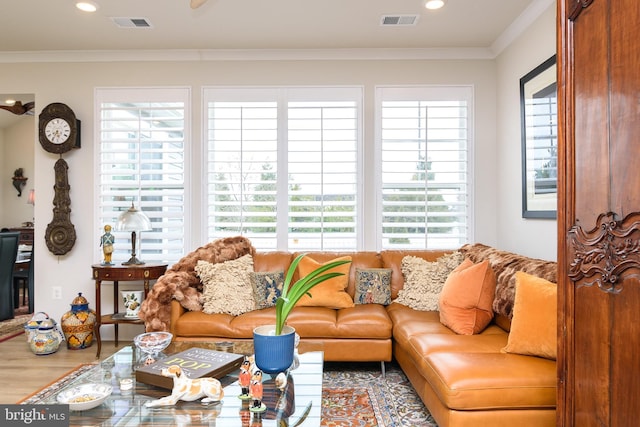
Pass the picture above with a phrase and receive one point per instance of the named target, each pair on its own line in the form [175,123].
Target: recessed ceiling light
[87,6]
[10,101]
[434,4]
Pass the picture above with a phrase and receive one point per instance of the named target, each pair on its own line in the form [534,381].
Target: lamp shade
[133,220]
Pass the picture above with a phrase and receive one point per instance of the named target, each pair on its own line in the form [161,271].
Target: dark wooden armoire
[598,213]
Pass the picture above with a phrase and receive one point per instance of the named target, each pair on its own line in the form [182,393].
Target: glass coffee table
[299,404]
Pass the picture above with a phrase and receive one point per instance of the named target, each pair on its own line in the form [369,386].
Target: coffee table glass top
[298,404]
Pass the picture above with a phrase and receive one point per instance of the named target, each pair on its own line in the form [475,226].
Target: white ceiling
[36,27]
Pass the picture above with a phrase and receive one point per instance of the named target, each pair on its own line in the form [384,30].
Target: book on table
[195,363]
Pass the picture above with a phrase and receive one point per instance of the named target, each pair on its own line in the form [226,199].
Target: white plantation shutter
[282,166]
[323,152]
[242,169]
[141,159]
[425,140]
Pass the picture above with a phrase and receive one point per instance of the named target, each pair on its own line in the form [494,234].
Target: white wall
[17,149]
[531,237]
[74,84]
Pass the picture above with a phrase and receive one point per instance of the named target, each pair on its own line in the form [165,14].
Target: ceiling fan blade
[18,108]
[197,3]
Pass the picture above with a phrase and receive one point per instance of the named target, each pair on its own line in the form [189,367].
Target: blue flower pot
[274,353]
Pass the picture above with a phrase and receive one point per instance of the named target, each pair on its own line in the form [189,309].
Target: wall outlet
[56,292]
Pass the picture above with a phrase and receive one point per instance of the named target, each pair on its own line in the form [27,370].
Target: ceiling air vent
[132,22]
[398,20]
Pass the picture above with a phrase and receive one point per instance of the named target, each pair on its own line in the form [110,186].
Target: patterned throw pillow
[373,286]
[227,286]
[267,287]
[423,280]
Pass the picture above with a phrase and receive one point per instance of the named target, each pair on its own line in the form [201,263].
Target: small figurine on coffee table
[187,389]
[244,378]
[255,391]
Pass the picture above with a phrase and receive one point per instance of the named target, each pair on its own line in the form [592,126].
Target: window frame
[143,94]
[284,95]
[423,93]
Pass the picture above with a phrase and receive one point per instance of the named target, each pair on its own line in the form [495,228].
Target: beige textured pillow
[423,280]
[534,324]
[227,286]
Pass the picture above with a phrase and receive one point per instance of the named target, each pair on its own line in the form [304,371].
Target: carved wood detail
[60,234]
[576,7]
[605,252]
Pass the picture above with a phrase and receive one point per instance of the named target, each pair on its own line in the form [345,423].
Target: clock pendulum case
[59,132]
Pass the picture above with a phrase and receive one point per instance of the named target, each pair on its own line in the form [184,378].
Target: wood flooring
[22,372]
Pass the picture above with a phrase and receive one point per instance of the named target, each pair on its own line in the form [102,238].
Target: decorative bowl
[85,396]
[153,342]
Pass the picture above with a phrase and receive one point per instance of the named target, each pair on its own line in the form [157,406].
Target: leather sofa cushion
[362,321]
[421,333]
[408,322]
[196,324]
[423,345]
[481,381]
[369,321]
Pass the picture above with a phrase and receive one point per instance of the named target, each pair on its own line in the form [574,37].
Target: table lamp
[134,221]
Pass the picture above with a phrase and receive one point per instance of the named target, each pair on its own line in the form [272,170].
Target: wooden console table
[120,273]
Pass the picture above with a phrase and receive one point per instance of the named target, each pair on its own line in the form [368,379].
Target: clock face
[57,131]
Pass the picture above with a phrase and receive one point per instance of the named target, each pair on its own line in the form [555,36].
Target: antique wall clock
[59,132]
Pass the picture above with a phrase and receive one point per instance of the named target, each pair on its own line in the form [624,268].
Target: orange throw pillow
[534,326]
[467,296]
[330,293]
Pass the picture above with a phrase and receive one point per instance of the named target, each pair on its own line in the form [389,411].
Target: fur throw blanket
[180,282]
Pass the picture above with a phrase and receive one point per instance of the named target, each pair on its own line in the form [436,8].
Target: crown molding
[244,55]
[520,25]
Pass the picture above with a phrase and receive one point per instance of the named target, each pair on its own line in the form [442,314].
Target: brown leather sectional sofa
[464,380]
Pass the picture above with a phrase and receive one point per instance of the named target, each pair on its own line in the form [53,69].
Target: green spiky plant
[291,293]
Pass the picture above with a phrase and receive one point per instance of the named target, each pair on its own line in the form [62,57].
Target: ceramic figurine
[187,389]
[255,391]
[281,381]
[106,241]
[244,378]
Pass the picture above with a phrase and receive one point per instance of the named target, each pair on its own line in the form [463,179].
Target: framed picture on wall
[539,123]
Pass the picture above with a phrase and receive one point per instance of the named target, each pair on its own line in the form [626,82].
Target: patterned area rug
[356,394]
[56,385]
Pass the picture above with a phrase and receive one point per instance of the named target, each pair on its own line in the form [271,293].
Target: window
[283,166]
[425,138]
[143,135]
